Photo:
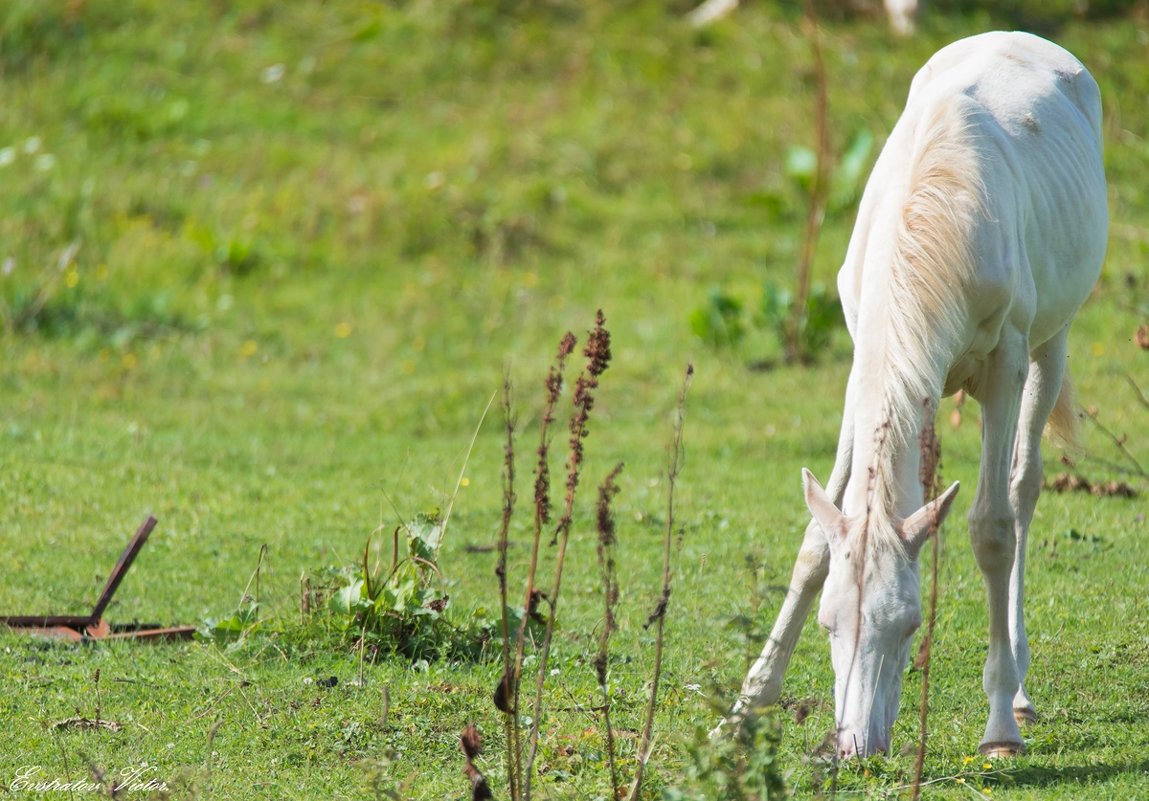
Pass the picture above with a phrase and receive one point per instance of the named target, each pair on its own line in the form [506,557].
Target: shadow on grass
[1035,776]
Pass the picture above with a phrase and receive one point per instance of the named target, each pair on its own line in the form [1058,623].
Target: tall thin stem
[606,541]
[597,352]
[514,764]
[511,681]
[818,191]
[930,476]
[658,616]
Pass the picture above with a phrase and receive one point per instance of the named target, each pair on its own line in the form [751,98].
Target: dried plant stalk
[818,191]
[597,352]
[511,724]
[1093,415]
[605,550]
[1144,401]
[507,696]
[658,616]
[472,744]
[929,473]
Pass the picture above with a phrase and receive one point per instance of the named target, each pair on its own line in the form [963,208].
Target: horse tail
[1063,418]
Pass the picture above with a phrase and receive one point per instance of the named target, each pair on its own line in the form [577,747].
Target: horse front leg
[763,684]
[1042,388]
[992,521]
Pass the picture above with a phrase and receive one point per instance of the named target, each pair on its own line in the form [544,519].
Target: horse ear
[917,527]
[822,509]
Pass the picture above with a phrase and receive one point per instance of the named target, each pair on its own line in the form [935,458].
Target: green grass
[306,242]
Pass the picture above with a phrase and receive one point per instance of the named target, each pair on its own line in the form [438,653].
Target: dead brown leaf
[87,724]
[1072,482]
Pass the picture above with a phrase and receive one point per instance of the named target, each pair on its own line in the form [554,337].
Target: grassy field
[262,268]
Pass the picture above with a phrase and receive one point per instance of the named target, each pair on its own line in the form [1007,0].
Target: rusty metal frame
[93,626]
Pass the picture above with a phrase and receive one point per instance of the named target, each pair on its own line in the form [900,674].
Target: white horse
[901,14]
[979,235]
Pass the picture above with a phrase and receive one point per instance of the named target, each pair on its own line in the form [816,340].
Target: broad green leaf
[347,599]
[424,536]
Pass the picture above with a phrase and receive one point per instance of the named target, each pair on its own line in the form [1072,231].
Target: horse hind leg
[1043,391]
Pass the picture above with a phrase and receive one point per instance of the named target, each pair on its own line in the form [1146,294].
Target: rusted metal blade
[77,622]
[122,564]
[101,631]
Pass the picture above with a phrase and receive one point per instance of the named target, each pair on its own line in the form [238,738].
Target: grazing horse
[980,233]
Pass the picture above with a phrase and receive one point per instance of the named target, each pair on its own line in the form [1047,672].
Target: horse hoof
[1025,717]
[1001,750]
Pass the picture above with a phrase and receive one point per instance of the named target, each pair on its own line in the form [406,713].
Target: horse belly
[1065,241]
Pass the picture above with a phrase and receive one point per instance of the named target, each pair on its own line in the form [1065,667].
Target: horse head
[871,607]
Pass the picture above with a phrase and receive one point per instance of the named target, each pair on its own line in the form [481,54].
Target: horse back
[1002,135]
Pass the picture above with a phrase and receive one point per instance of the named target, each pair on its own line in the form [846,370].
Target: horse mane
[931,266]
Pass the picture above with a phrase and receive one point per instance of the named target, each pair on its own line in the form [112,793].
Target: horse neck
[912,309]
[892,411]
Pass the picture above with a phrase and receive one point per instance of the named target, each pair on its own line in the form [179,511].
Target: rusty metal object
[122,564]
[93,626]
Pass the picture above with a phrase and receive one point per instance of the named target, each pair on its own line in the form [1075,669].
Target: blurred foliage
[189,151]
[822,316]
[719,322]
[723,321]
[742,767]
[847,177]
